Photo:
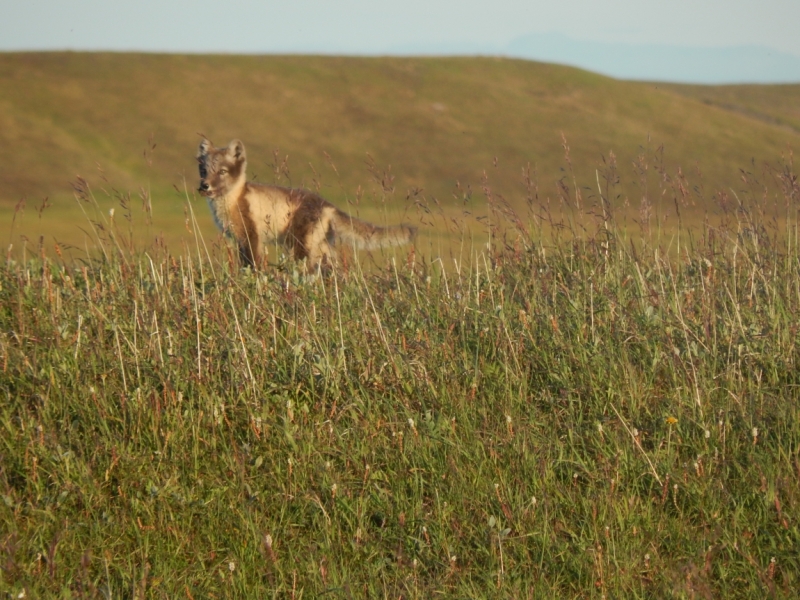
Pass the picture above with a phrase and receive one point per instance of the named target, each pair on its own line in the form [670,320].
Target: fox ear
[205,146]
[236,150]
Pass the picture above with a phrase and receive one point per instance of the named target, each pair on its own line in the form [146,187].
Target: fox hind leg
[320,255]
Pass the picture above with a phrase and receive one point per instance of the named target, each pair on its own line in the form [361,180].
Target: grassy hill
[425,122]
[552,418]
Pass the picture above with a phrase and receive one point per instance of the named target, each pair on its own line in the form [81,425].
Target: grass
[771,104]
[572,411]
[438,126]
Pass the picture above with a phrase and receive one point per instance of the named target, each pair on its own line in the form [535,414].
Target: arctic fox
[254,214]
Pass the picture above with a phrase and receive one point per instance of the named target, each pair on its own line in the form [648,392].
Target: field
[578,417]
[580,383]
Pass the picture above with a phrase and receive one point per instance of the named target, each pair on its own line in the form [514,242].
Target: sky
[745,39]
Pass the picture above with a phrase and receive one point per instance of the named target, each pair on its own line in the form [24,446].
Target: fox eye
[223,171]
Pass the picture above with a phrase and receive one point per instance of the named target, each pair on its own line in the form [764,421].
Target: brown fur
[255,214]
[248,246]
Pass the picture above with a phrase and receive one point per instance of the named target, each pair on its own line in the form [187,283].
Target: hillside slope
[433,121]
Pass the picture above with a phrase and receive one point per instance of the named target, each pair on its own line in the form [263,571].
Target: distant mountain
[643,62]
[655,62]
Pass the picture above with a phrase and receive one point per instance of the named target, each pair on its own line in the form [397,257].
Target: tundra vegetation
[559,407]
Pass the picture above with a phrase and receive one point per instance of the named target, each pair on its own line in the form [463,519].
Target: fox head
[221,169]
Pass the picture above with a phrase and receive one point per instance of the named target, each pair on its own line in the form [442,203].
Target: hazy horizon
[698,41]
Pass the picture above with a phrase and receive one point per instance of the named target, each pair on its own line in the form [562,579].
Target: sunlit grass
[574,410]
